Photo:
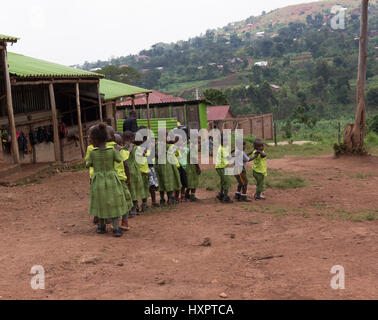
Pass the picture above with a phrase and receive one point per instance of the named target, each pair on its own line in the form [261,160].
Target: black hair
[258,142]
[99,134]
[132,113]
[128,136]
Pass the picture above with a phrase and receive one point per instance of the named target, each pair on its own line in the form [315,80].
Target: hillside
[293,48]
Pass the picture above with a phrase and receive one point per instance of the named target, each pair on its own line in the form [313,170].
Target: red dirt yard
[281,248]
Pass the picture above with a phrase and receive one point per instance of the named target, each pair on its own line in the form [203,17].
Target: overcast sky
[73,31]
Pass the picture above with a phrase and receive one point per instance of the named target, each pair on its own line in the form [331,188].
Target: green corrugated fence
[169,122]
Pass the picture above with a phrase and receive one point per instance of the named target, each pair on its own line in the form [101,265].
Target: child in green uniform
[123,173]
[173,153]
[89,149]
[193,172]
[107,200]
[222,162]
[259,168]
[136,181]
[141,157]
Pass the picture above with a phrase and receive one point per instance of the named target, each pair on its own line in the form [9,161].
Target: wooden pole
[99,101]
[115,115]
[133,102]
[275,134]
[80,126]
[148,110]
[55,123]
[12,123]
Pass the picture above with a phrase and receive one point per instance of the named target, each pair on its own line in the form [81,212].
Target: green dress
[137,189]
[168,174]
[191,172]
[107,198]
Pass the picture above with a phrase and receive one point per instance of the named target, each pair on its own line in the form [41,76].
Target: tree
[354,134]
[215,97]
[125,74]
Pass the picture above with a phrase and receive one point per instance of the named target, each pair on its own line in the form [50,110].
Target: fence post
[275,134]
[339,135]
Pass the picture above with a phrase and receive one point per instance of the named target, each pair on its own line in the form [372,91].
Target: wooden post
[148,110]
[263,127]
[275,134]
[55,123]
[12,124]
[133,102]
[80,126]
[115,116]
[99,101]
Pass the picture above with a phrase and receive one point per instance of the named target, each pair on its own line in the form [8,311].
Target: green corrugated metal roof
[113,90]
[24,66]
[8,38]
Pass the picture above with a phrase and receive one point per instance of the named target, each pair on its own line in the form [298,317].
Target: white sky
[73,31]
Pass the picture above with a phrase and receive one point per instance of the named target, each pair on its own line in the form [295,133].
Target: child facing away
[241,175]
[259,168]
[141,159]
[107,199]
[193,171]
[222,162]
[123,173]
[137,190]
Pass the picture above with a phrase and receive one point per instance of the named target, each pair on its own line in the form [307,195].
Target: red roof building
[155,97]
[216,113]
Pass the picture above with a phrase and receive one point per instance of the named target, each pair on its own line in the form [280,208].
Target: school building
[46,109]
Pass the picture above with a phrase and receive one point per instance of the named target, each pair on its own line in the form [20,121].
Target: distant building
[263,64]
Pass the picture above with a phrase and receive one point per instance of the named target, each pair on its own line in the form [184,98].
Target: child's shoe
[220,196]
[144,207]
[227,200]
[162,202]
[244,198]
[171,200]
[101,229]
[259,197]
[125,225]
[117,233]
[193,198]
[237,196]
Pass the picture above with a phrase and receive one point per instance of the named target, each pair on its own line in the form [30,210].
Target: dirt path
[283,248]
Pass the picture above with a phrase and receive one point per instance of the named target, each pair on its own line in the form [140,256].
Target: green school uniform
[191,172]
[220,166]
[107,199]
[260,171]
[136,181]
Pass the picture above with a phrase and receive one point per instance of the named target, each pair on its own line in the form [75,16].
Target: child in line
[193,171]
[222,161]
[89,149]
[173,154]
[241,175]
[141,157]
[259,168]
[123,173]
[136,181]
[152,179]
[107,200]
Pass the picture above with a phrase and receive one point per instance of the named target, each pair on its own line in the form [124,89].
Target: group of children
[122,173]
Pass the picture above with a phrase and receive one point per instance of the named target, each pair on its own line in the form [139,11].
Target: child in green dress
[222,162]
[193,171]
[107,199]
[123,175]
[136,180]
[259,168]
[173,154]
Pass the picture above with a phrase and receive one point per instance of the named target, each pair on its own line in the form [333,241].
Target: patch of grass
[286,183]
[361,176]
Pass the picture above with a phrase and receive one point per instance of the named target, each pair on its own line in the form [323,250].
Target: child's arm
[262,154]
[127,171]
[89,161]
[117,156]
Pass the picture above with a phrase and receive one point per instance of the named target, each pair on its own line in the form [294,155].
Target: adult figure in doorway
[130,124]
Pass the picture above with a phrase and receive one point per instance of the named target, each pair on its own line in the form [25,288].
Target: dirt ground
[281,248]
